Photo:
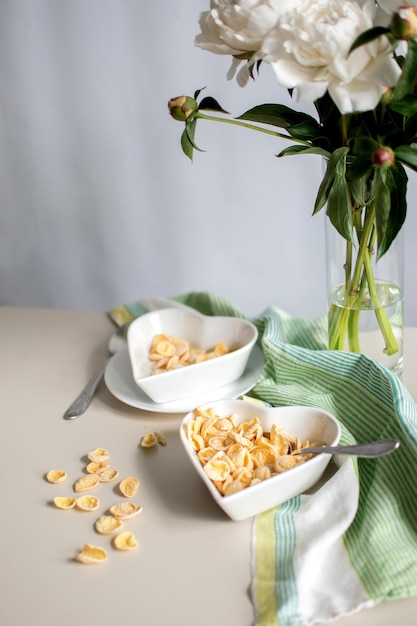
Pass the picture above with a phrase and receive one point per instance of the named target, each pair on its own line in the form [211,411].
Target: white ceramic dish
[119,381]
[307,423]
[201,331]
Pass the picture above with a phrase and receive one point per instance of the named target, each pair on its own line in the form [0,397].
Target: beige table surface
[192,567]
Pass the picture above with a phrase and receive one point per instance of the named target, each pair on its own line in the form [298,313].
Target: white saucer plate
[119,381]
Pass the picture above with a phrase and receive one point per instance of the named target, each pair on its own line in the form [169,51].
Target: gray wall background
[98,205]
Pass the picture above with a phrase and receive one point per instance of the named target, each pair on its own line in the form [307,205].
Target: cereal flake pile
[236,456]
[169,353]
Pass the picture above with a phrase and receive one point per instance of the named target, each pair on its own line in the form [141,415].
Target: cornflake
[168,353]
[125,510]
[125,541]
[87,503]
[129,486]
[149,441]
[64,502]
[107,524]
[107,475]
[98,455]
[86,482]
[91,554]
[217,468]
[56,476]
[285,463]
[235,456]
[94,467]
[160,437]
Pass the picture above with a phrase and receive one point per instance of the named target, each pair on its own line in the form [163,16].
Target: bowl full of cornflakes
[249,455]
[177,352]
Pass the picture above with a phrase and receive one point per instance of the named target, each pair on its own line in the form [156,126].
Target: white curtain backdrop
[98,205]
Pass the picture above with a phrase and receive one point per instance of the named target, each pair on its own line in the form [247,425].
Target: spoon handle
[365,450]
[83,401]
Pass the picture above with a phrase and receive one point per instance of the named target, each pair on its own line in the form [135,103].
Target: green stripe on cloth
[286,587]
[369,553]
[264,570]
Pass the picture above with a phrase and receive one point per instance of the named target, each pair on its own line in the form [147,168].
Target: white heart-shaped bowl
[201,331]
[307,423]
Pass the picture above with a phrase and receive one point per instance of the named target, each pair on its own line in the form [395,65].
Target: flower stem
[213,118]
[338,322]
[346,319]
[391,345]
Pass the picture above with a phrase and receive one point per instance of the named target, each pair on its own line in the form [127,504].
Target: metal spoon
[365,450]
[83,401]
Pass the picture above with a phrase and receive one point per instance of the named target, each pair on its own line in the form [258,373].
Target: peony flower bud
[404,23]
[383,157]
[182,107]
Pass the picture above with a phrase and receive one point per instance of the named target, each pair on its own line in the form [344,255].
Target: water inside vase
[371,340]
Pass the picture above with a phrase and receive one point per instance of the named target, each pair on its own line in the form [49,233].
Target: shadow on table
[171,477]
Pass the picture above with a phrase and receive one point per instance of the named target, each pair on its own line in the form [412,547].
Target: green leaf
[369,35]
[339,207]
[306,130]
[187,139]
[398,190]
[326,108]
[407,155]
[407,106]
[359,190]
[297,149]
[359,167]
[197,93]
[186,145]
[390,205]
[408,77]
[210,104]
[382,199]
[397,129]
[336,163]
[279,115]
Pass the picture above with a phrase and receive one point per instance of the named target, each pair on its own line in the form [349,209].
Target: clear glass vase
[365,295]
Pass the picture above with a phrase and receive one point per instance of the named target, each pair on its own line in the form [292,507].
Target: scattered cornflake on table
[125,510]
[129,486]
[64,502]
[107,524]
[94,466]
[149,440]
[98,455]
[125,541]
[56,476]
[107,475]
[160,437]
[86,482]
[97,470]
[87,503]
[91,554]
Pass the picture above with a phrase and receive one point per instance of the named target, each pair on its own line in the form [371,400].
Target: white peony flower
[309,50]
[237,27]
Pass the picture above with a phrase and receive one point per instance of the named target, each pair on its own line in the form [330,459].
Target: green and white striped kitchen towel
[352,542]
